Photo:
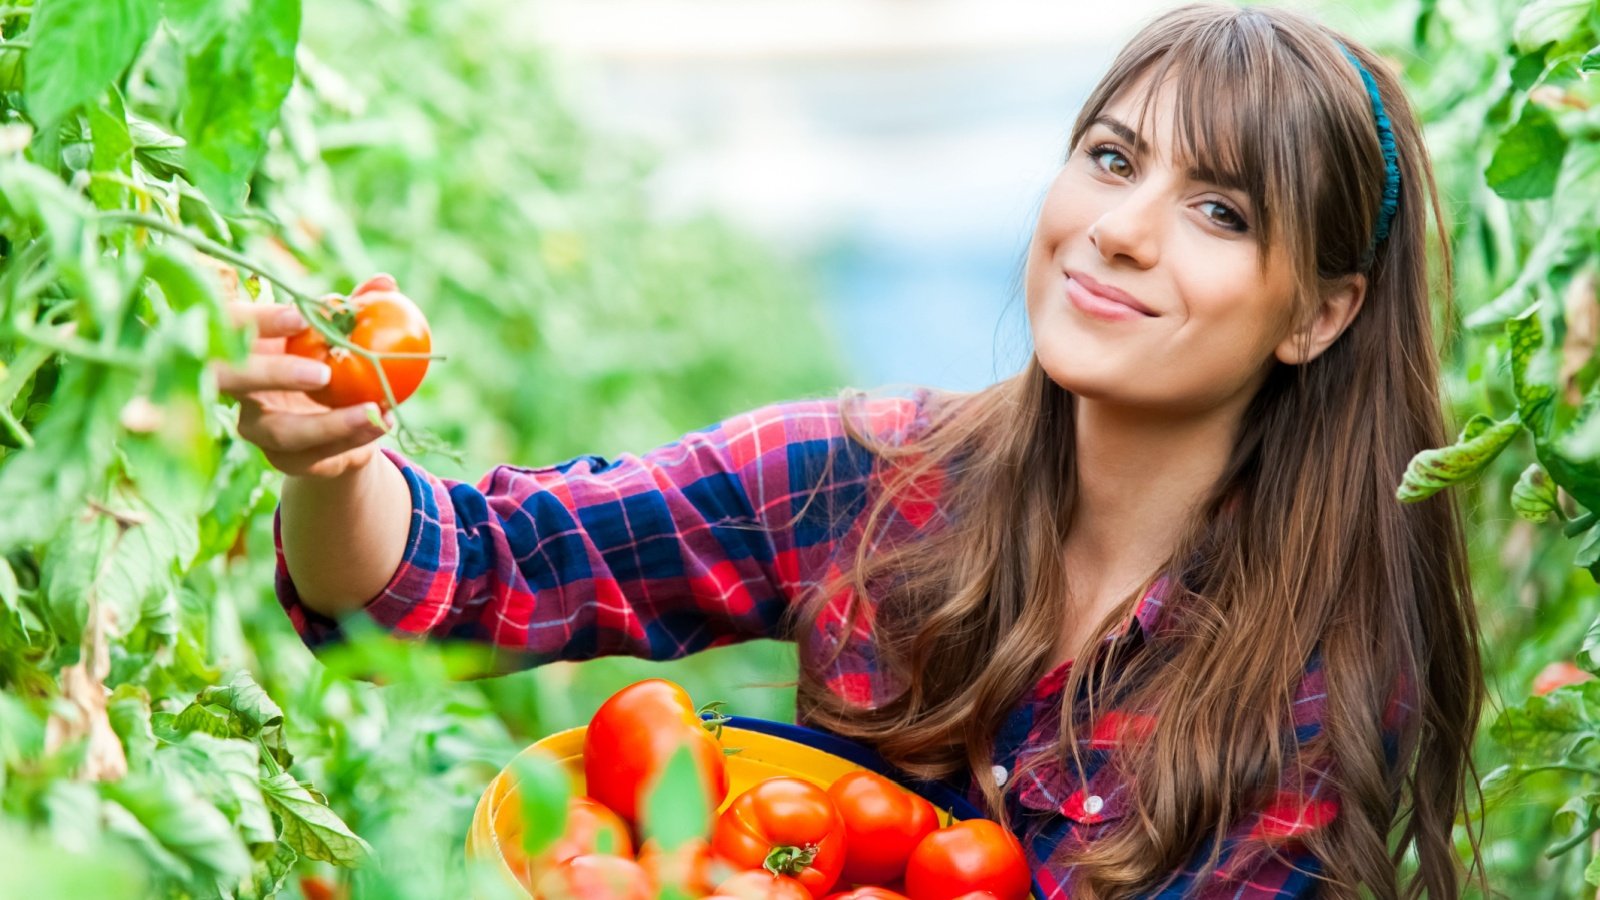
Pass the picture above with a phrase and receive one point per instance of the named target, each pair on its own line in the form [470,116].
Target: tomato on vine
[376,317]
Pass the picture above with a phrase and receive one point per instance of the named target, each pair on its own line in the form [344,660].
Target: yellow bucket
[766,749]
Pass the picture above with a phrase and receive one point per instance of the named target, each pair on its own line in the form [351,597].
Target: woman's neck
[1139,477]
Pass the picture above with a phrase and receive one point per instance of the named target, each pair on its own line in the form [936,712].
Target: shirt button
[1093,804]
[1000,776]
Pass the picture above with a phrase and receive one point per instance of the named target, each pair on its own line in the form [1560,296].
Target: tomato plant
[633,736]
[788,826]
[375,317]
[883,822]
[970,855]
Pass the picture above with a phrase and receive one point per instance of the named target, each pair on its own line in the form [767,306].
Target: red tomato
[759,884]
[1557,674]
[692,868]
[633,736]
[596,876]
[376,317]
[971,855]
[868,893]
[788,827]
[591,828]
[315,887]
[883,822]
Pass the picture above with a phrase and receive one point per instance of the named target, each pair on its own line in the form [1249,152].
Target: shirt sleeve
[686,547]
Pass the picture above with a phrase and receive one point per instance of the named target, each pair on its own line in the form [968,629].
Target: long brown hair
[1301,545]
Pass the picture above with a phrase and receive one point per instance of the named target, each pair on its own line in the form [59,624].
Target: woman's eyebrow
[1202,173]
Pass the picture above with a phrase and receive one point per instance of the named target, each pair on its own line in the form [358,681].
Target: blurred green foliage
[322,144]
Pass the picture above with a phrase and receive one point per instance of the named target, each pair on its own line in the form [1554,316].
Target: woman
[1151,601]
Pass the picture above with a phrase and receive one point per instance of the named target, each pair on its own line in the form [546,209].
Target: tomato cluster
[863,837]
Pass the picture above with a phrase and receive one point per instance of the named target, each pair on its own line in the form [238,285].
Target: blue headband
[1391,159]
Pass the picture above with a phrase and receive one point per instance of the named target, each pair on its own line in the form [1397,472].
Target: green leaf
[1589,551]
[1433,470]
[237,82]
[1533,373]
[1543,21]
[675,808]
[113,151]
[1590,61]
[246,700]
[230,772]
[183,822]
[1534,496]
[203,719]
[129,711]
[1527,158]
[545,788]
[313,830]
[1526,70]
[79,48]
[128,563]
[8,586]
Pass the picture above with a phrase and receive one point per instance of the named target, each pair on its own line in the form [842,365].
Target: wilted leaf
[313,830]
[1433,470]
[1534,495]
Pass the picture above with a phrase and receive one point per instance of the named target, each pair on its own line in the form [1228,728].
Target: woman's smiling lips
[1103,301]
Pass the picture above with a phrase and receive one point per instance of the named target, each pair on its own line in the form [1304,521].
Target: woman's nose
[1130,228]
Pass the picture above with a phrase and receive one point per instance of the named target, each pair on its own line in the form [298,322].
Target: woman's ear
[1338,309]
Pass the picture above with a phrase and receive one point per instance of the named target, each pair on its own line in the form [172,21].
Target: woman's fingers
[286,433]
[271,372]
[270,320]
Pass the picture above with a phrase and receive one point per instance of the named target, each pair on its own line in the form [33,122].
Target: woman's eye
[1099,150]
[1231,219]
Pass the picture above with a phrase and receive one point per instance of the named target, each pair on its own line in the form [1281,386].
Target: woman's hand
[298,435]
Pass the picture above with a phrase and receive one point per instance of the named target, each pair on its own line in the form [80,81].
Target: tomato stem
[712,719]
[789,860]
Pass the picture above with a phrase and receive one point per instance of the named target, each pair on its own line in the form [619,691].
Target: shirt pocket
[1054,788]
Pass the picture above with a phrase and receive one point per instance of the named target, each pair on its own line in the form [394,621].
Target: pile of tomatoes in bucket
[656,821]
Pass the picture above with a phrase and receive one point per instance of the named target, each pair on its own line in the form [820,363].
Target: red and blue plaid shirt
[645,556]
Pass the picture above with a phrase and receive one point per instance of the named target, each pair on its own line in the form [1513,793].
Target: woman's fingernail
[360,415]
[314,374]
[290,319]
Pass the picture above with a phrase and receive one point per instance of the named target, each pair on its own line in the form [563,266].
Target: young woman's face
[1123,216]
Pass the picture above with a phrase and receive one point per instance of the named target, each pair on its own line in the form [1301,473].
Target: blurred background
[898,150]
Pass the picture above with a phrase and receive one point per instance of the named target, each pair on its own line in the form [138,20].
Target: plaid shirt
[645,556]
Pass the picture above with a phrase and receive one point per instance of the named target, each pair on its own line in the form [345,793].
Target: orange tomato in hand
[376,317]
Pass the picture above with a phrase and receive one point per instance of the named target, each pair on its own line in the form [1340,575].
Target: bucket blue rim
[936,792]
